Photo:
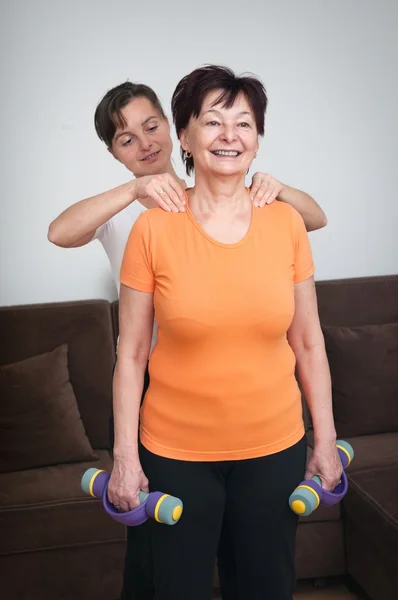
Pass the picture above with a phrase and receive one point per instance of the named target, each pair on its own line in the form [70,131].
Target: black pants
[236,509]
[251,498]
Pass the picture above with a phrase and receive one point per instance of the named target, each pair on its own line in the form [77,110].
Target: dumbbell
[310,494]
[156,505]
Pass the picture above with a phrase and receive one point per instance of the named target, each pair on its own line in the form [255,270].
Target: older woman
[232,290]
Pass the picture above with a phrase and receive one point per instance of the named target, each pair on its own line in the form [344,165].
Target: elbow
[323,221]
[137,355]
[319,223]
[52,234]
[55,237]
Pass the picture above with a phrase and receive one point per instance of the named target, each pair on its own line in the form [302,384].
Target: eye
[153,128]
[244,125]
[212,123]
[127,142]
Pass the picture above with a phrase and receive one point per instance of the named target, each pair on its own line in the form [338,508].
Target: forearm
[128,384]
[313,215]
[314,376]
[84,217]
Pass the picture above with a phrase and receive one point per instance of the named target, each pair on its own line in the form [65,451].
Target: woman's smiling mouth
[150,157]
[227,153]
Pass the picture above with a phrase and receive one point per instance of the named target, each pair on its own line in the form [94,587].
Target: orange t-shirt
[222,374]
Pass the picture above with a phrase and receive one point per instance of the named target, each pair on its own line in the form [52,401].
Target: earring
[255,155]
[188,154]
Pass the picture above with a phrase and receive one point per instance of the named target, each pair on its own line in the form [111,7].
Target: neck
[170,170]
[219,191]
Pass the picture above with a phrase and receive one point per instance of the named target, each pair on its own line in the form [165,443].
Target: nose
[145,143]
[228,134]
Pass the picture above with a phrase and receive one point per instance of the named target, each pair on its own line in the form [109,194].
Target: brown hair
[190,92]
[108,116]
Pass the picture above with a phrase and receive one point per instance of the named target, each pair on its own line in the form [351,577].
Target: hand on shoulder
[162,191]
[264,189]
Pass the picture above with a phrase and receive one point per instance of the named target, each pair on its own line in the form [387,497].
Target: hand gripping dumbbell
[156,505]
[310,494]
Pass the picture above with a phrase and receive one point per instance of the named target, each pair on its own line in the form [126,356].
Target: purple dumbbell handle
[332,498]
[134,517]
[100,483]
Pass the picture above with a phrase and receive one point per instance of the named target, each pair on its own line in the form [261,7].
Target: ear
[184,140]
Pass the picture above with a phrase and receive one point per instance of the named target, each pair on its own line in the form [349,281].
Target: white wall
[332,128]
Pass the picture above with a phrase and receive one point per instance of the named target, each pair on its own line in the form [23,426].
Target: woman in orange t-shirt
[232,290]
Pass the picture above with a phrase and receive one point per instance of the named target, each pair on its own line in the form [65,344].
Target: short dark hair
[108,116]
[191,90]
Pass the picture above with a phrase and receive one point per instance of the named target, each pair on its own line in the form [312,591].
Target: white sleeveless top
[113,236]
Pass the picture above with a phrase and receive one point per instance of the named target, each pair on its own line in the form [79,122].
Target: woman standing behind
[130,120]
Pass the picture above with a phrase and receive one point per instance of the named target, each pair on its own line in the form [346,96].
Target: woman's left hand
[325,462]
[264,189]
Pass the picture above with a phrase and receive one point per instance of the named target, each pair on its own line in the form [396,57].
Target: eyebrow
[212,110]
[118,135]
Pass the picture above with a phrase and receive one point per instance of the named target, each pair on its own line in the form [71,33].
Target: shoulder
[282,217]
[279,212]
[157,227]
[158,219]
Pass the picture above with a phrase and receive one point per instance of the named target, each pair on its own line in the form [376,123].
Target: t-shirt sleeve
[100,232]
[303,261]
[136,270]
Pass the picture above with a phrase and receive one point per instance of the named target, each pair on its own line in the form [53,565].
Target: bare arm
[313,216]
[77,225]
[265,189]
[306,339]
[135,330]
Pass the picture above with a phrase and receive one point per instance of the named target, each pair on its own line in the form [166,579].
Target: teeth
[151,155]
[225,152]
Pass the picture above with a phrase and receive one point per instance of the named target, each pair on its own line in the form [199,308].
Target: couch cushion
[358,301]
[86,326]
[363,363]
[371,504]
[46,508]
[370,451]
[40,421]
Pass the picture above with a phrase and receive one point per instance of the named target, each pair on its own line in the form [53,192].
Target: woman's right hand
[164,190]
[126,481]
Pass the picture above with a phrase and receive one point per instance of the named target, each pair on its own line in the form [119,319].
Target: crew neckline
[200,229]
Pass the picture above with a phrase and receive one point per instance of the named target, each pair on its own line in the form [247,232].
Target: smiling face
[143,143]
[222,140]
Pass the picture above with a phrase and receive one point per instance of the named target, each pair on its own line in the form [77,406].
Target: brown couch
[57,543]
[370,509]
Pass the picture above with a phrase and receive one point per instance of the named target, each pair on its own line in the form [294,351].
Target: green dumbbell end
[86,479]
[170,510]
[142,497]
[347,448]
[303,501]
